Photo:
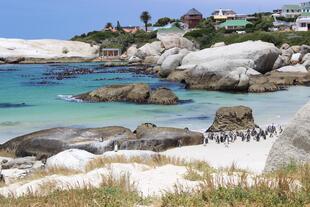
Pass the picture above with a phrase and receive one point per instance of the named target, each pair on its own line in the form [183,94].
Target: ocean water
[34,97]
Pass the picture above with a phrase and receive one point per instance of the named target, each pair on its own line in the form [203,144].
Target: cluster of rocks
[135,93]
[15,168]
[46,143]
[156,53]
[252,66]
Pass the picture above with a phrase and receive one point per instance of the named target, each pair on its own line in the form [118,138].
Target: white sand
[246,155]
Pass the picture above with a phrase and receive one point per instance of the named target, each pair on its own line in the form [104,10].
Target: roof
[172,29]
[235,23]
[193,12]
[305,14]
[291,6]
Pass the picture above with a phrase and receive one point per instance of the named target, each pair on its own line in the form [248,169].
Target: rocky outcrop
[179,42]
[293,146]
[18,50]
[233,118]
[257,55]
[45,143]
[135,93]
[167,53]
[150,137]
[172,62]
[163,96]
[276,80]
[149,49]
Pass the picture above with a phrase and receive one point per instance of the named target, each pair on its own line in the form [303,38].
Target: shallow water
[32,99]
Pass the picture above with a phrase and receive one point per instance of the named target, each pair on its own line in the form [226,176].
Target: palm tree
[145,18]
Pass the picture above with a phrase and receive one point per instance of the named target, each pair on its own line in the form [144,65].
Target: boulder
[179,42]
[285,46]
[22,163]
[134,59]
[149,49]
[151,60]
[296,48]
[307,64]
[131,51]
[163,96]
[304,49]
[280,62]
[46,143]
[172,62]
[293,68]
[162,138]
[72,159]
[259,55]
[223,75]
[12,60]
[137,93]
[168,53]
[306,57]
[218,44]
[293,146]
[233,118]
[296,58]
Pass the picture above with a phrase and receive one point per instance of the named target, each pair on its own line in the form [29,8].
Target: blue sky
[62,19]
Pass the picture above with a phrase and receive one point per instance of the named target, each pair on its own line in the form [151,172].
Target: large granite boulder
[131,51]
[150,49]
[172,62]
[276,80]
[293,69]
[46,143]
[151,60]
[293,146]
[179,42]
[233,118]
[163,96]
[135,93]
[258,55]
[168,53]
[150,137]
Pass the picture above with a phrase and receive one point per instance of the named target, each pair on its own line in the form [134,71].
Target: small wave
[69,98]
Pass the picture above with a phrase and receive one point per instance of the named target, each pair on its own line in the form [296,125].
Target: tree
[163,22]
[145,18]
[118,26]
[108,25]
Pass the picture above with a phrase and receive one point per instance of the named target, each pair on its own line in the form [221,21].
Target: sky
[62,19]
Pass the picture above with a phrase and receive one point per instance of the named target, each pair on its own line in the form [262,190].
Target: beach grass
[6,153]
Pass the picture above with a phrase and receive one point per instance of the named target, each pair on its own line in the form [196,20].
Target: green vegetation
[206,37]
[118,39]
[163,22]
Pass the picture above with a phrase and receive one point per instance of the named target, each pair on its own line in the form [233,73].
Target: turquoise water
[29,101]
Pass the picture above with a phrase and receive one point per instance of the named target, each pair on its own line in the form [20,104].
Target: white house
[303,22]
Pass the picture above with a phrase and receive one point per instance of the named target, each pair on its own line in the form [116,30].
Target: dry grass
[112,193]
[6,153]
[153,161]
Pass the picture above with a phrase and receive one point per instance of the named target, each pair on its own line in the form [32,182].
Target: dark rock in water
[12,60]
[13,105]
[41,83]
[233,118]
[150,137]
[135,93]
[275,81]
[163,96]
[48,142]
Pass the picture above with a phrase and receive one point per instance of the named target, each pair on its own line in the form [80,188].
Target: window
[303,25]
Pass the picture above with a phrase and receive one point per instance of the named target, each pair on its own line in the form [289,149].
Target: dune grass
[6,153]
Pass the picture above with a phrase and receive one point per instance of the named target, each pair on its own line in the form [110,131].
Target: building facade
[223,14]
[235,25]
[291,10]
[303,22]
[192,18]
[305,7]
